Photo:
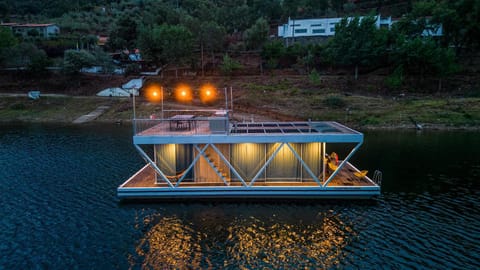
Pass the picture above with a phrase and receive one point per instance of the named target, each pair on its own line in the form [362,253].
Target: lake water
[59,210]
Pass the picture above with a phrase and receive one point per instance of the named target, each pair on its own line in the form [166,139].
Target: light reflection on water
[168,242]
[58,210]
[211,238]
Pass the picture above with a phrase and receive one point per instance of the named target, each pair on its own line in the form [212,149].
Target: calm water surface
[59,210]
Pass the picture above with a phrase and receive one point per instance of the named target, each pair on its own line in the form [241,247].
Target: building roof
[28,24]
[34,25]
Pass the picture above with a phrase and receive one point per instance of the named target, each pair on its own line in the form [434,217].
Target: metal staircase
[212,162]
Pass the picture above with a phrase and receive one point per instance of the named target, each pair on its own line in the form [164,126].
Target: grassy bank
[275,103]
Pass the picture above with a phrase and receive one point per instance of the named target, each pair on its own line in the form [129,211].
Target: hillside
[363,103]
[400,71]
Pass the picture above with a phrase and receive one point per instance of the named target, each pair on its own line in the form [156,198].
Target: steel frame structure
[202,142]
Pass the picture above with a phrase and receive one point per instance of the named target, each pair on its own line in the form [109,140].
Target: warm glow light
[183,93]
[208,93]
[153,92]
[167,244]
[172,242]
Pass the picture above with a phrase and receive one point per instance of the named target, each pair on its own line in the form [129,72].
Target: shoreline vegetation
[262,98]
[370,71]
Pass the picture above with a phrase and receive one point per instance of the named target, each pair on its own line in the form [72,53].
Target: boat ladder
[377,177]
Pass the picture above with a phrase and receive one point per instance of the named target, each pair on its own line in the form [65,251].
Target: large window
[318,31]
[249,158]
[301,31]
[284,166]
[174,159]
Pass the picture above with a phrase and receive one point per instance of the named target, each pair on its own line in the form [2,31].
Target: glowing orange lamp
[154,93]
[208,93]
[183,93]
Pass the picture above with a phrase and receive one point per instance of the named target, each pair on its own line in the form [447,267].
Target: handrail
[377,177]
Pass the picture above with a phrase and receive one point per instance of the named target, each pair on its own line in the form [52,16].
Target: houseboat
[206,154]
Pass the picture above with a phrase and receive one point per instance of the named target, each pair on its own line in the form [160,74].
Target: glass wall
[174,159]
[246,158]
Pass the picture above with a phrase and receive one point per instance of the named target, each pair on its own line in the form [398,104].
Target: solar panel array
[282,128]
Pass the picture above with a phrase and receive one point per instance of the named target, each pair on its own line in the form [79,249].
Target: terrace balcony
[203,126]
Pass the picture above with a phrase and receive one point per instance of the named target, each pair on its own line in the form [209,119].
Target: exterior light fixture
[155,93]
[183,93]
[208,93]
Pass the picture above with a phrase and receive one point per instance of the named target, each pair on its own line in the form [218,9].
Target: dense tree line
[209,9]
[195,32]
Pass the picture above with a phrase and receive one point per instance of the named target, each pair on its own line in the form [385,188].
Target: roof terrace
[204,126]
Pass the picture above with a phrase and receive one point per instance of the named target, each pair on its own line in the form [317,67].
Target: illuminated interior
[174,159]
[247,159]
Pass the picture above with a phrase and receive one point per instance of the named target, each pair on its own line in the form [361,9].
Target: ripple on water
[59,210]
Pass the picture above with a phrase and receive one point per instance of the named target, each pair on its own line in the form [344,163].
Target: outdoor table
[181,122]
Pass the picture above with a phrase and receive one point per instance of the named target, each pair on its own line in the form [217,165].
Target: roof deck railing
[183,122]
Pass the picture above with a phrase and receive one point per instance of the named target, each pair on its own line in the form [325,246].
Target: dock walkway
[92,115]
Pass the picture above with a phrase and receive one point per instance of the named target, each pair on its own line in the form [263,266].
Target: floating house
[206,154]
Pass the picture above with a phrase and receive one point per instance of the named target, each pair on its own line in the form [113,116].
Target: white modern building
[325,27]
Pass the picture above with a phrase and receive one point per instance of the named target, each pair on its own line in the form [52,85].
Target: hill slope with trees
[205,35]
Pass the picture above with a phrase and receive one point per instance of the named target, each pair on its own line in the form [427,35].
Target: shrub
[18,106]
[272,63]
[395,80]
[334,102]
[229,65]
[74,60]
[314,77]
[370,121]
[38,63]
[131,69]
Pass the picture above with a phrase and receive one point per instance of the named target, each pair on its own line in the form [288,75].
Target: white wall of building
[326,27]
[320,27]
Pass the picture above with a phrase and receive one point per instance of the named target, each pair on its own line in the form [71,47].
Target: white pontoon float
[204,154]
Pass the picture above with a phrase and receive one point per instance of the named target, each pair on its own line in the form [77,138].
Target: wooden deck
[145,178]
